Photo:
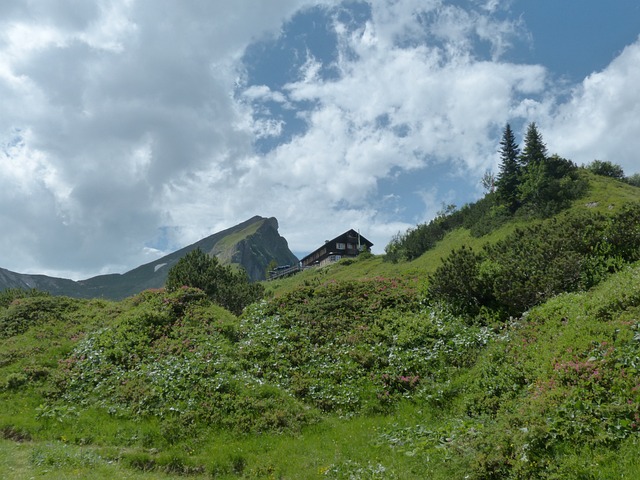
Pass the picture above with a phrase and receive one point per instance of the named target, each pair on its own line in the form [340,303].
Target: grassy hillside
[349,371]
[604,195]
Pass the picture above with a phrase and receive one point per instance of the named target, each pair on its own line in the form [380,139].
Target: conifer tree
[509,174]
[533,165]
[547,183]
[535,151]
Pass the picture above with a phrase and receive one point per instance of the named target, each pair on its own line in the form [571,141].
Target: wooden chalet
[347,245]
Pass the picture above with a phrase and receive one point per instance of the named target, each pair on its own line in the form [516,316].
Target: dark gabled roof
[352,232]
[348,233]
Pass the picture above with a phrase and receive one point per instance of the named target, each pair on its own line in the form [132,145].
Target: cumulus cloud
[110,105]
[601,120]
[410,94]
[131,127]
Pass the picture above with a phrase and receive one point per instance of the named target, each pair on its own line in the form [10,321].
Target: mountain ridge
[251,245]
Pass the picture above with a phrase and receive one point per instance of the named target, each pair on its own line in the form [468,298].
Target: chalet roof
[351,233]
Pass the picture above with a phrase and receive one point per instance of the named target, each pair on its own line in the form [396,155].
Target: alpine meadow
[501,340]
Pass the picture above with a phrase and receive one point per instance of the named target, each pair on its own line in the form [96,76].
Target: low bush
[8,296]
[172,356]
[606,169]
[31,309]
[353,347]
[225,286]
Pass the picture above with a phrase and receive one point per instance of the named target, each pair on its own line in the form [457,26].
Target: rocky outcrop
[257,251]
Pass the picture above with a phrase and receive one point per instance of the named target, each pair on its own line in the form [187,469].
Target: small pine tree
[226,287]
[534,176]
[535,151]
[509,174]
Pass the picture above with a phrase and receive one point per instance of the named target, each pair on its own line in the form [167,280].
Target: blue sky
[131,128]
[575,38]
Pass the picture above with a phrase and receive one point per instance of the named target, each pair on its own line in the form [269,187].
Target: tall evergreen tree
[535,151]
[534,175]
[509,174]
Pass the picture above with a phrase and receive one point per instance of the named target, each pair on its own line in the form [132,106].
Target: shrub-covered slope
[118,384]
[345,372]
[556,394]
[473,226]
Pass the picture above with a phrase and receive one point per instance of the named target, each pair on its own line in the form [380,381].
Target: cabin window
[340,246]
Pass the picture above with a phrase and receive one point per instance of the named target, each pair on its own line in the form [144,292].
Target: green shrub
[9,295]
[533,264]
[224,286]
[549,186]
[606,169]
[15,381]
[458,282]
[634,180]
[34,309]
[172,356]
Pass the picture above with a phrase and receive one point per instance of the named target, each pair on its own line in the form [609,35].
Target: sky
[132,128]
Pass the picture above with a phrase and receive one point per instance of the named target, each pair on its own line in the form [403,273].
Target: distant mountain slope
[57,286]
[252,245]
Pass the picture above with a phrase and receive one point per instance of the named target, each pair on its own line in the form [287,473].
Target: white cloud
[396,105]
[601,120]
[123,101]
[263,93]
[123,123]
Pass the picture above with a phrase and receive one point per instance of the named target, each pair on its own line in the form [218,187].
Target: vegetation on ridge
[530,185]
[573,252]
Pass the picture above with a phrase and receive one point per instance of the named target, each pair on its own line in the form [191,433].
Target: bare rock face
[256,251]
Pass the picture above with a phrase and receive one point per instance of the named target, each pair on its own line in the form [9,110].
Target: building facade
[347,245]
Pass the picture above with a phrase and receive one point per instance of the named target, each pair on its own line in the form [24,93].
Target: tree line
[530,183]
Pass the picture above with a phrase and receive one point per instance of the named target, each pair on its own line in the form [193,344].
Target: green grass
[605,195]
[332,449]
[236,237]
[225,248]
[336,448]
[317,382]
[61,461]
